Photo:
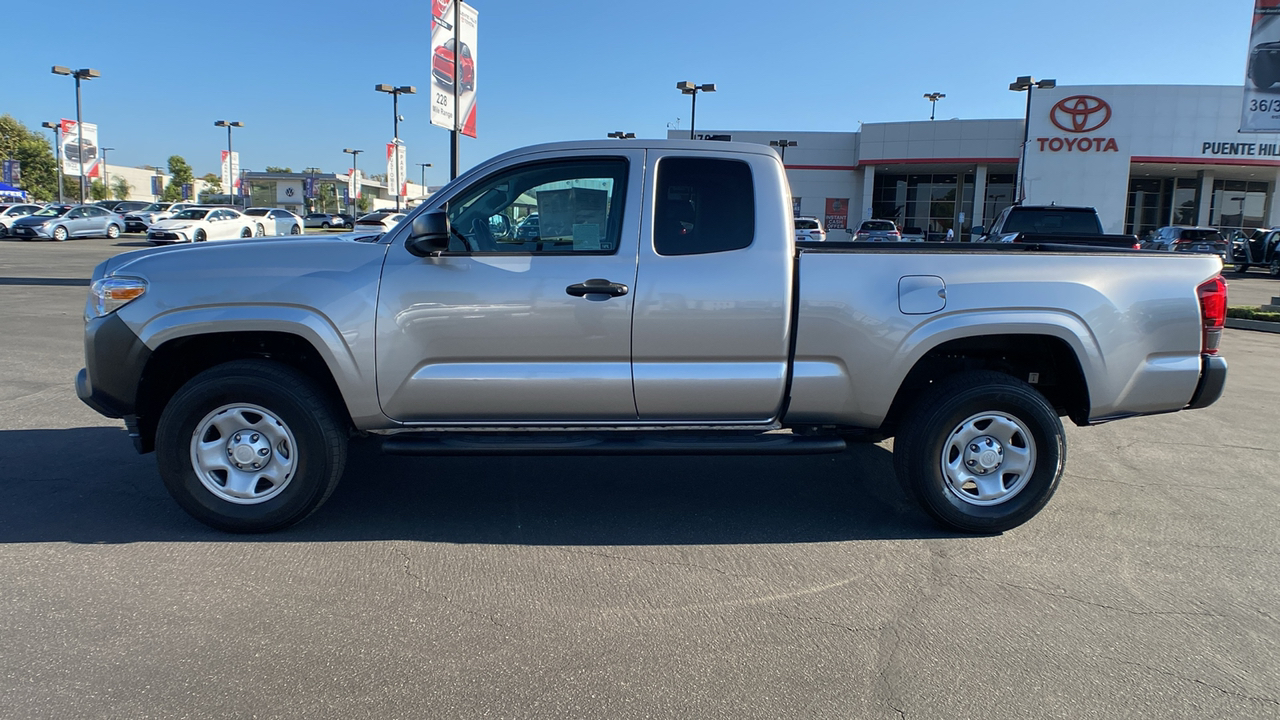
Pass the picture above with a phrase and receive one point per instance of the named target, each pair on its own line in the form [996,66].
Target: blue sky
[301,75]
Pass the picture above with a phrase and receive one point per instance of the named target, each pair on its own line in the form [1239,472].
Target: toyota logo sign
[1080,113]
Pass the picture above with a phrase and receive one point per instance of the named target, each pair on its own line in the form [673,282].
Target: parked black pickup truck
[1055,224]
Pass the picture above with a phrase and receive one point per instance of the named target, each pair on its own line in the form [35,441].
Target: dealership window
[1238,204]
[929,203]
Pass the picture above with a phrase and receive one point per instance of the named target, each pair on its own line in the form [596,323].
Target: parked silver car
[323,220]
[59,222]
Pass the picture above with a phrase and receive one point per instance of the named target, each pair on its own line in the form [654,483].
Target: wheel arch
[182,347]
[1046,360]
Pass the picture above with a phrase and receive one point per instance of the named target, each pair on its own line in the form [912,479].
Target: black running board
[613,443]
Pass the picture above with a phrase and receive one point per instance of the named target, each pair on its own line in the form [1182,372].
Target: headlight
[180,227]
[110,294]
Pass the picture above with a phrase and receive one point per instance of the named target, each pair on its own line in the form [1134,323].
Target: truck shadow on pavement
[87,485]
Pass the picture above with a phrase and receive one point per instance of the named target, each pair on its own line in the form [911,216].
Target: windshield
[807,225]
[879,226]
[155,207]
[192,214]
[374,218]
[51,212]
[256,212]
[1210,235]
[1052,222]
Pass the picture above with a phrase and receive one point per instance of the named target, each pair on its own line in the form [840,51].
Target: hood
[167,223]
[33,220]
[284,251]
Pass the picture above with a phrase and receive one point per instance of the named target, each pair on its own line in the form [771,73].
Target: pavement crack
[828,623]
[1091,603]
[420,581]
[661,563]
[1197,681]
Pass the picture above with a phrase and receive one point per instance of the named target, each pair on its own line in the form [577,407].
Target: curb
[1259,325]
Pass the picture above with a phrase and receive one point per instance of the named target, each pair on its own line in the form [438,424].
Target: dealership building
[1145,156]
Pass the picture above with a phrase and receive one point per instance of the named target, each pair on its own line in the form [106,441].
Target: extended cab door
[503,329]
[713,310]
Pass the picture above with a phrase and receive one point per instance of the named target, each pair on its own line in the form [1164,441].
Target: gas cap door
[921,294]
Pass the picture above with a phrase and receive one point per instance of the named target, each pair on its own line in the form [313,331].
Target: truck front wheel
[250,446]
[981,452]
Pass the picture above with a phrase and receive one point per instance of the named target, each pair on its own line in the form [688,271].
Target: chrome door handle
[597,286]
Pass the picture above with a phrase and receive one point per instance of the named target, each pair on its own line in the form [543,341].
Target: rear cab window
[703,205]
[1052,222]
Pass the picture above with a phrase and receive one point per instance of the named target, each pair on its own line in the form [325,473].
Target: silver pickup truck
[661,306]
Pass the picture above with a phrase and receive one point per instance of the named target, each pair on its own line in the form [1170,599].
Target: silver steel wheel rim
[988,459]
[243,454]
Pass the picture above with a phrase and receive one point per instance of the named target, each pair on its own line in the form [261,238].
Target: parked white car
[381,221]
[809,229]
[200,224]
[274,221]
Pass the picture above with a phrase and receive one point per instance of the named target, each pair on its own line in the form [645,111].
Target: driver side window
[564,207]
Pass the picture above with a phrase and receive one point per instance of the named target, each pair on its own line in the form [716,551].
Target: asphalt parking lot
[633,587]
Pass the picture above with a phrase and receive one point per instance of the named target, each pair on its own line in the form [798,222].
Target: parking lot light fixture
[692,90]
[56,127]
[354,179]
[81,74]
[933,99]
[106,186]
[1026,83]
[424,167]
[231,184]
[395,93]
[782,146]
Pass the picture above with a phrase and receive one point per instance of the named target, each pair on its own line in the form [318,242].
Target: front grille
[163,236]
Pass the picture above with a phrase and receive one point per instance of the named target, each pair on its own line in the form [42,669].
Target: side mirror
[429,234]
[978,231]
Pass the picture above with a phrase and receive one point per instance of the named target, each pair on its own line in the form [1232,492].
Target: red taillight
[1213,313]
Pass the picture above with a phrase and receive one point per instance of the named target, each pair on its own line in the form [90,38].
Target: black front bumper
[114,359]
[1213,378]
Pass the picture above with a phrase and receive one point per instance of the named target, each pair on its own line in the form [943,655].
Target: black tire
[295,230]
[318,455]
[113,232]
[60,234]
[260,231]
[1274,268]
[4,231]
[199,236]
[939,416]
[1242,267]
[246,233]
[324,226]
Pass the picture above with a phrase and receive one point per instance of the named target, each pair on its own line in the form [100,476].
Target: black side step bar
[613,443]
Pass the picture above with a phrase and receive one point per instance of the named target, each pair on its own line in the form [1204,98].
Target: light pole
[354,184]
[1025,83]
[933,99]
[231,170]
[424,167]
[395,93]
[57,154]
[688,88]
[81,74]
[782,146]
[106,186]
[622,135]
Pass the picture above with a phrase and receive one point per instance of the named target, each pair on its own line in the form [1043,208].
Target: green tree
[274,169]
[179,174]
[120,188]
[363,203]
[98,190]
[214,182]
[35,153]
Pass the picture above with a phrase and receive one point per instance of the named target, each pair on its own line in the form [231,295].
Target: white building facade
[1145,156]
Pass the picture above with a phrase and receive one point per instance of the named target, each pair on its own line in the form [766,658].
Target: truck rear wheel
[250,446]
[981,452]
